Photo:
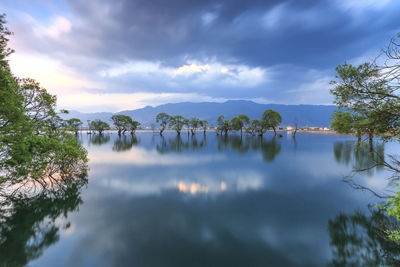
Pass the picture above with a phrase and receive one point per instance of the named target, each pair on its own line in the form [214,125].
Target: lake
[211,200]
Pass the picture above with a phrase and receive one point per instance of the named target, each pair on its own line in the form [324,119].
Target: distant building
[289,128]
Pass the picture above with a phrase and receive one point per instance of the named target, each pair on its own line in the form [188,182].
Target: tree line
[270,120]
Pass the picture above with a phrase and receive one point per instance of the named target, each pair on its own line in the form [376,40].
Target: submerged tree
[163,119]
[122,122]
[177,122]
[99,125]
[272,119]
[74,125]
[223,125]
[359,91]
[204,125]
[194,124]
[133,125]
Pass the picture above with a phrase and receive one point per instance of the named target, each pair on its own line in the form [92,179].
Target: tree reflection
[359,240]
[28,223]
[179,144]
[359,156]
[99,139]
[125,143]
[270,148]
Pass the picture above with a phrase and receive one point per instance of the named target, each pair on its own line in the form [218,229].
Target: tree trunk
[241,129]
[371,141]
[274,130]
[358,140]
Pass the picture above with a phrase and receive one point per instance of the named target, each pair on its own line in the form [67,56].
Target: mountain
[307,115]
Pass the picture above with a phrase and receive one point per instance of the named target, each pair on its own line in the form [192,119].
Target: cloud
[214,49]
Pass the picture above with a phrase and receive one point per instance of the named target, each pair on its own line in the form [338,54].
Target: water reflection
[213,201]
[125,143]
[180,144]
[359,240]
[359,157]
[99,139]
[30,224]
[270,148]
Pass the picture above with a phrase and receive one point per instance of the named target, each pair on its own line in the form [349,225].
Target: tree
[34,147]
[245,121]
[236,124]
[177,123]
[272,119]
[366,96]
[122,122]
[194,123]
[73,125]
[259,126]
[100,126]
[186,122]
[163,119]
[223,125]
[133,125]
[204,124]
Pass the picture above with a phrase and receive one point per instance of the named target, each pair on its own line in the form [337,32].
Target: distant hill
[307,115]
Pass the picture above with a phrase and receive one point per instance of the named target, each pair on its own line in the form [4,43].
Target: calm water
[217,201]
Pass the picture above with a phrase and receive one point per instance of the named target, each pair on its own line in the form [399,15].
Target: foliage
[121,122]
[194,124]
[73,125]
[204,125]
[223,125]
[365,100]
[133,125]
[99,125]
[163,119]
[124,123]
[271,119]
[177,123]
[35,148]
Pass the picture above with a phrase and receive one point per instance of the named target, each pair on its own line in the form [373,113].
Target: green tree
[363,94]
[204,125]
[186,122]
[236,124]
[223,125]
[34,145]
[259,126]
[194,124]
[122,122]
[177,123]
[99,125]
[163,119]
[271,119]
[245,121]
[74,125]
[133,125]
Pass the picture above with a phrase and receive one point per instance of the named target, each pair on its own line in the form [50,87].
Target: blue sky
[111,55]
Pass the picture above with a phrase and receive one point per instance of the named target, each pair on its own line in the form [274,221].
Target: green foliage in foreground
[34,143]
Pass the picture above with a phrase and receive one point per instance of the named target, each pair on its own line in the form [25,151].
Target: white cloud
[87,101]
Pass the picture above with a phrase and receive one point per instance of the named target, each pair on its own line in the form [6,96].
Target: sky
[113,55]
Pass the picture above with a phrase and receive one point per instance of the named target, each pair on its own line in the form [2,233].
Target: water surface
[211,200]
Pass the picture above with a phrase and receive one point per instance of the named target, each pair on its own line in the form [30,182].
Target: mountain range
[306,115]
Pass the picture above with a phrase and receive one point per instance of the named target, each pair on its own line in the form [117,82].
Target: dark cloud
[296,44]
[305,32]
